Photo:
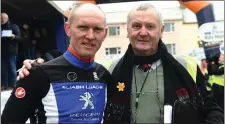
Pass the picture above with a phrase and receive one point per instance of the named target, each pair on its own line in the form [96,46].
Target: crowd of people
[138,88]
[10,37]
[213,71]
[18,42]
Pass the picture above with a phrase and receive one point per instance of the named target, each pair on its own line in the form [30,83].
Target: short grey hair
[144,7]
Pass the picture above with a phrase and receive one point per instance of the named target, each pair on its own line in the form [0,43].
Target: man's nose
[90,34]
[143,31]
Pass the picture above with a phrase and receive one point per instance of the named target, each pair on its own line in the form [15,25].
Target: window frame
[117,30]
[171,27]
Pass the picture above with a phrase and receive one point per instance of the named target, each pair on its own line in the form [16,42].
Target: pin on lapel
[120,86]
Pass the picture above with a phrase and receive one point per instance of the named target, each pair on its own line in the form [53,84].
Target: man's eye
[136,26]
[98,29]
[150,26]
[83,27]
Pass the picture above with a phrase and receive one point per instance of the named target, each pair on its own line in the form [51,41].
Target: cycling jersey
[63,90]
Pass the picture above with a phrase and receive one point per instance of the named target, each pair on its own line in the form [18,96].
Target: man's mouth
[143,41]
[88,45]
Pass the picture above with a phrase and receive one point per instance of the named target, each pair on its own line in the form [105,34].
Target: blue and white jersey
[64,90]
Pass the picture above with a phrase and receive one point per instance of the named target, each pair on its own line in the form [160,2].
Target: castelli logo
[20,92]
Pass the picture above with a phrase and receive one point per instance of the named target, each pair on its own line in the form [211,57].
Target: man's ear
[127,33]
[106,32]
[67,29]
[161,31]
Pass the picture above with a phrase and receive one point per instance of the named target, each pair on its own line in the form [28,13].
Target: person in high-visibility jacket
[216,79]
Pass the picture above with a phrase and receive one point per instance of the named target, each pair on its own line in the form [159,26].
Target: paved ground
[4,97]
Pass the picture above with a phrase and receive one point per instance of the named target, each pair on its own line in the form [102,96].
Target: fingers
[40,61]
[17,78]
[21,75]
[27,63]
[25,72]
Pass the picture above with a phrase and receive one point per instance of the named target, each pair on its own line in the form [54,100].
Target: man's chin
[142,48]
[88,55]
[143,51]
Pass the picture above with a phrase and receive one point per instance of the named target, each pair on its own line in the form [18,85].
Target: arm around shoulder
[25,97]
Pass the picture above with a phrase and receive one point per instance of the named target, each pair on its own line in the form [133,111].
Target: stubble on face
[144,31]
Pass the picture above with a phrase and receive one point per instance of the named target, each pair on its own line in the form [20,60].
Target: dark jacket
[215,69]
[9,46]
[179,86]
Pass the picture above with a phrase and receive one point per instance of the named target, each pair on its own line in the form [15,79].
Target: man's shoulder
[60,60]
[56,66]
[113,65]
[36,72]
[14,26]
[182,59]
[100,68]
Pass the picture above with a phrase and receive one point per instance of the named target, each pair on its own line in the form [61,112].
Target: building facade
[178,36]
[180,33]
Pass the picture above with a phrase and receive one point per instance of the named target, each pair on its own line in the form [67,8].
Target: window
[114,31]
[169,27]
[112,51]
[171,48]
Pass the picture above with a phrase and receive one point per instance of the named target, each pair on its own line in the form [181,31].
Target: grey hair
[77,6]
[144,7]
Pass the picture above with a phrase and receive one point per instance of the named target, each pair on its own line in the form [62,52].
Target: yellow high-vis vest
[216,79]
[190,64]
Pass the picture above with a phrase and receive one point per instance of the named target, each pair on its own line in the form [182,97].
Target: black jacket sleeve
[213,114]
[16,32]
[214,69]
[20,107]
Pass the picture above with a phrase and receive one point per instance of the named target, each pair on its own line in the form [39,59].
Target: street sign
[212,32]
[212,36]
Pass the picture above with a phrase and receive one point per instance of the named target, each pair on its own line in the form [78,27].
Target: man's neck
[88,60]
[144,53]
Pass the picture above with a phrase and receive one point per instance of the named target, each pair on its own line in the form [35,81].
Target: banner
[212,34]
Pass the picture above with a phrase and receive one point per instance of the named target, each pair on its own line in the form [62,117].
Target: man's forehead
[85,20]
[89,8]
[144,14]
[90,13]
[149,11]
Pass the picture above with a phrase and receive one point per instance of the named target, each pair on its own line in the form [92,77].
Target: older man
[71,88]
[147,78]
[9,50]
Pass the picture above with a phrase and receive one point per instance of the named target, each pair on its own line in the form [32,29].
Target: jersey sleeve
[25,97]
